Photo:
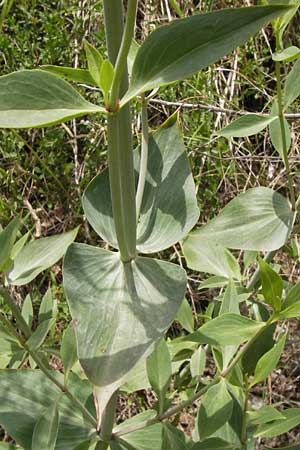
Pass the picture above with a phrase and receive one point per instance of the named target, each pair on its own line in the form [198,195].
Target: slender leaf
[197,363]
[272,285]
[38,255]
[169,210]
[45,432]
[159,371]
[71,74]
[260,346]
[287,55]
[35,98]
[48,307]
[68,351]
[38,337]
[7,240]
[134,302]
[106,78]
[95,61]
[277,427]
[185,316]
[276,134]
[292,85]
[259,219]
[193,43]
[246,126]
[215,410]
[268,361]
[27,310]
[207,256]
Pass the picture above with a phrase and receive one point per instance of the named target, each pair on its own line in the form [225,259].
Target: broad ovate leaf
[206,256]
[169,210]
[26,394]
[183,47]
[39,255]
[258,219]
[119,310]
[215,409]
[246,126]
[36,98]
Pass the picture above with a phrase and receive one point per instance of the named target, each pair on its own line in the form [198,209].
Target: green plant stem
[167,414]
[120,154]
[48,373]
[121,63]
[108,418]
[144,158]
[282,126]
[16,313]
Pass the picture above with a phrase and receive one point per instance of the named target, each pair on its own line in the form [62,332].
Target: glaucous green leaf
[39,255]
[35,98]
[169,210]
[132,55]
[159,371]
[71,74]
[27,310]
[213,282]
[215,410]
[140,418]
[276,134]
[26,394]
[246,126]
[259,219]
[185,316]
[264,415]
[38,337]
[137,379]
[197,363]
[213,444]
[292,296]
[19,245]
[134,302]
[172,438]
[206,256]
[106,78]
[290,312]
[68,350]
[183,47]
[272,285]
[259,347]
[287,55]
[292,85]
[46,429]
[286,18]
[145,439]
[228,329]
[94,60]
[268,361]
[277,427]
[48,307]
[7,240]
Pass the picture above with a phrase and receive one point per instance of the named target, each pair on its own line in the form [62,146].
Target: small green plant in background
[122,300]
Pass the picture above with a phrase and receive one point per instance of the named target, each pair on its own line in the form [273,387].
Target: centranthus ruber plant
[123,300]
